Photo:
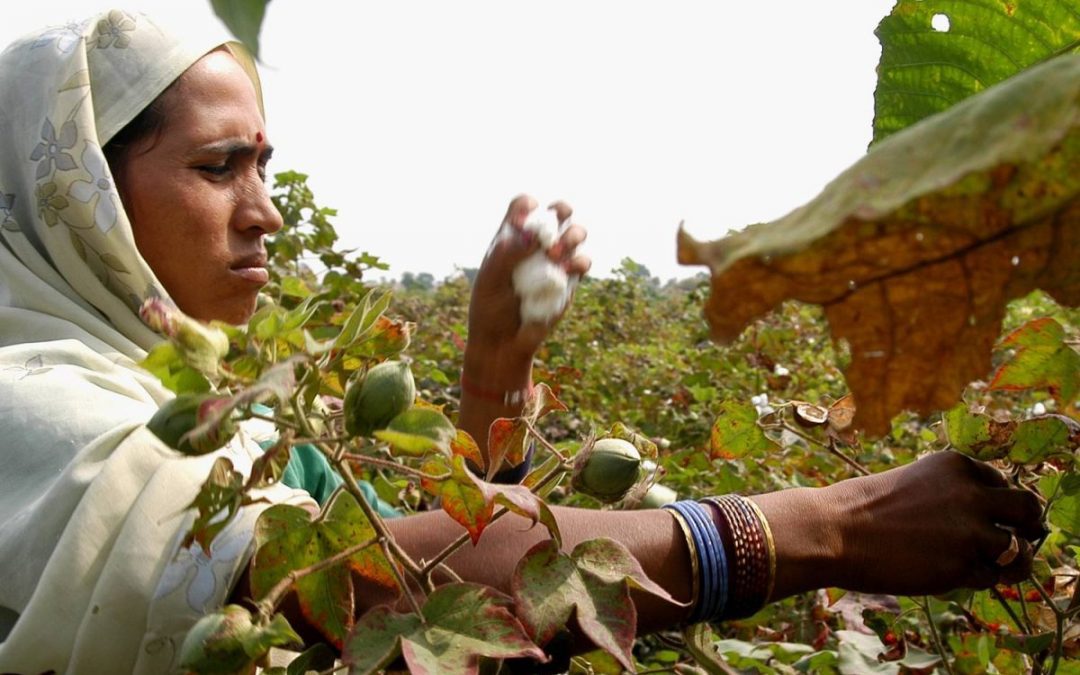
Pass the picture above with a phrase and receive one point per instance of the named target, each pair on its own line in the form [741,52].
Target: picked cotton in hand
[542,285]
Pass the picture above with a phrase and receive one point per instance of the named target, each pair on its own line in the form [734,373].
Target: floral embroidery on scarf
[113,30]
[195,570]
[49,203]
[33,366]
[7,204]
[65,37]
[101,185]
[51,148]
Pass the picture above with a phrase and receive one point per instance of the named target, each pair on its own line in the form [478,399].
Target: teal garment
[308,470]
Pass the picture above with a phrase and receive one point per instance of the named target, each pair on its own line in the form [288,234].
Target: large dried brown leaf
[914,250]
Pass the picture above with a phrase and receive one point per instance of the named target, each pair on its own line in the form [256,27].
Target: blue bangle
[713,592]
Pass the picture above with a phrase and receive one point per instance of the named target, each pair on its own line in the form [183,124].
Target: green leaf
[1065,507]
[735,433]
[925,69]
[859,654]
[1039,438]
[244,18]
[287,539]
[1042,360]
[917,248]
[461,623]
[294,287]
[418,431]
[166,364]
[1027,644]
[362,318]
[592,583]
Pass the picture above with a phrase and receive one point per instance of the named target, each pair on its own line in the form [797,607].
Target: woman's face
[196,194]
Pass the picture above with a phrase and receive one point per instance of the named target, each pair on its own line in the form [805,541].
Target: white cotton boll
[545,223]
[1038,409]
[543,286]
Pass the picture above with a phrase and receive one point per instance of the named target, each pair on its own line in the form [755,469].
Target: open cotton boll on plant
[543,286]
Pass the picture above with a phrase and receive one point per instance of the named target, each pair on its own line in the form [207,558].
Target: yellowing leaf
[735,432]
[914,250]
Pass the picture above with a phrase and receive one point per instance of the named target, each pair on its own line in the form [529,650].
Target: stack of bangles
[732,556]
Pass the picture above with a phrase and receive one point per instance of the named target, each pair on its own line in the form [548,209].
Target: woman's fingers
[1017,508]
[987,474]
[567,244]
[1020,567]
[519,209]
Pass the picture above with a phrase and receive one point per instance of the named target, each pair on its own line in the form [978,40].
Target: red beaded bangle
[511,398]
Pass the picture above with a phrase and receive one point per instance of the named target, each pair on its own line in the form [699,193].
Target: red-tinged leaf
[218,500]
[506,442]
[735,433]
[418,431]
[268,468]
[522,501]
[278,382]
[542,402]
[464,445]
[460,494]
[387,339]
[1042,360]
[287,539]
[462,623]
[592,583]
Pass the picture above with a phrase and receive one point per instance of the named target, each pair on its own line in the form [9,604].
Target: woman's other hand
[936,524]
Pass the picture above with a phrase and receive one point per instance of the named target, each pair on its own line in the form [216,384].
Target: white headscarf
[92,505]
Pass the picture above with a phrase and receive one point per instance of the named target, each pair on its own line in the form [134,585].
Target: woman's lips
[255,275]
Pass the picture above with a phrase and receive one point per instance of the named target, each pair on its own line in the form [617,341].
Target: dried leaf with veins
[915,250]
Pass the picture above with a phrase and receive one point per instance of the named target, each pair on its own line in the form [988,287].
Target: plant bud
[386,391]
[607,470]
[180,415]
[227,641]
[200,345]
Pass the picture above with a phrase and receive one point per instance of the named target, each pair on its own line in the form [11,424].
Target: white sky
[419,120]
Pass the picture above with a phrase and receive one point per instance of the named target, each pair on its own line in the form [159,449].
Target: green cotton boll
[178,416]
[386,391]
[607,470]
[228,641]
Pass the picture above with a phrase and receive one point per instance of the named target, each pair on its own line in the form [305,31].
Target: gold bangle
[695,568]
[772,548]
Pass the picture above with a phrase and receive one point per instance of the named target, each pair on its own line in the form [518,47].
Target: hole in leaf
[940,23]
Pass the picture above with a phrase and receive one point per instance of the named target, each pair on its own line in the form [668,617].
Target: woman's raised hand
[495,326]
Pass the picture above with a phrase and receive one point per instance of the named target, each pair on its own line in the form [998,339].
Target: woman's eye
[215,169]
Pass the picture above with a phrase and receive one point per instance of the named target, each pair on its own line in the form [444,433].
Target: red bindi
[258,137]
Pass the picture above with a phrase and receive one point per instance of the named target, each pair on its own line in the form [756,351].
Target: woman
[92,505]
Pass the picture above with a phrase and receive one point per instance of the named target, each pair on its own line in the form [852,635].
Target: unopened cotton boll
[542,285]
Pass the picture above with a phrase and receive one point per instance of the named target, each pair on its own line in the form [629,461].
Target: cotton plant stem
[859,468]
[1059,620]
[276,421]
[1020,625]
[543,441]
[389,464]
[389,545]
[924,604]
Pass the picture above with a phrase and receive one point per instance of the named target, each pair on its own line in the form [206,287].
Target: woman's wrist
[489,374]
[807,531]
